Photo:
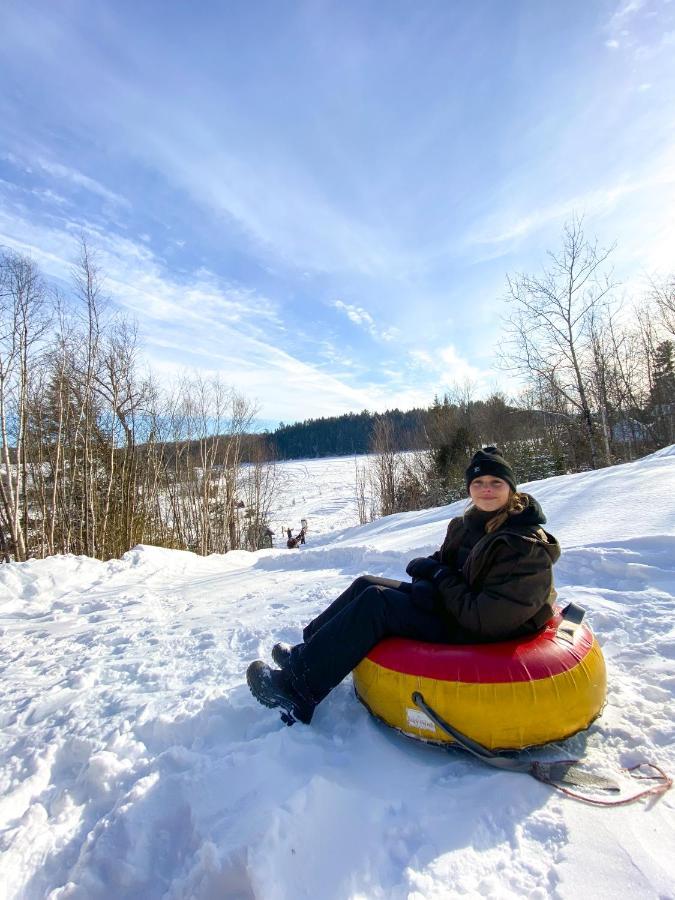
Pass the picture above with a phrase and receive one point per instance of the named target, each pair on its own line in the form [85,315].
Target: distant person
[293,542]
[491,580]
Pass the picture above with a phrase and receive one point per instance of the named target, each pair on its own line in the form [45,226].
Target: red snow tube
[506,695]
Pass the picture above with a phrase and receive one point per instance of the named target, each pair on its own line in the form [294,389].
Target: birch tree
[23,322]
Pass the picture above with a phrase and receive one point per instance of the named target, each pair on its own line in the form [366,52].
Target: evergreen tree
[663,389]
[662,394]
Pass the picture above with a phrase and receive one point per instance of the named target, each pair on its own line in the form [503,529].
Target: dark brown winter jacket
[499,585]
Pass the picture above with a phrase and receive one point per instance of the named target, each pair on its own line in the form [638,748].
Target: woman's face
[489,493]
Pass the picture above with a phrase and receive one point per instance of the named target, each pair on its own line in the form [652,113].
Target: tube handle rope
[557,773]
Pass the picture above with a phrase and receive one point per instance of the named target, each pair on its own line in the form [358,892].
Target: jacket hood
[527,525]
[532,515]
[523,526]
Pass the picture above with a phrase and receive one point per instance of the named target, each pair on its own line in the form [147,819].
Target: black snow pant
[338,639]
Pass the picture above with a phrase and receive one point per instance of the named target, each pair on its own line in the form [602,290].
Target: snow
[135,764]
[323,491]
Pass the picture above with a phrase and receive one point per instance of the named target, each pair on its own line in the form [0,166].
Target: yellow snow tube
[506,696]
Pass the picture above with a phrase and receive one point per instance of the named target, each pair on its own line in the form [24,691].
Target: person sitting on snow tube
[491,580]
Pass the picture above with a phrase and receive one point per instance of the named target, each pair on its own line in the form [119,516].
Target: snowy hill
[323,491]
[135,764]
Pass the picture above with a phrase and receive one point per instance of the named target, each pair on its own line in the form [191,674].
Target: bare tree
[88,290]
[124,396]
[23,322]
[257,489]
[361,481]
[386,469]
[600,375]
[663,294]
[203,476]
[549,332]
[93,457]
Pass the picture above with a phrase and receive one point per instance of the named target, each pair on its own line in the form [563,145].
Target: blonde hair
[515,504]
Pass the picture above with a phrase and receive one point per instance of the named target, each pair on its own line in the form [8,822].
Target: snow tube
[507,696]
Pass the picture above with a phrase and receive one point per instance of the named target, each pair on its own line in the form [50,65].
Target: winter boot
[281,654]
[273,688]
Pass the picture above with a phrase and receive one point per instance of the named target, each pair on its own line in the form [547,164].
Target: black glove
[428,569]
[424,595]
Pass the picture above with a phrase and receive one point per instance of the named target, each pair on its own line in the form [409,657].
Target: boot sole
[288,715]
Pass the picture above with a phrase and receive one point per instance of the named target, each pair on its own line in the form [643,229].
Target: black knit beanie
[489,461]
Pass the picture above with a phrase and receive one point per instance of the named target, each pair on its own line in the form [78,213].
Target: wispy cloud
[620,22]
[501,228]
[455,368]
[357,315]
[199,323]
[299,165]
[336,357]
[59,171]
[643,28]
[273,202]
[78,178]
[49,196]
[363,319]
[447,365]
[280,183]
[196,323]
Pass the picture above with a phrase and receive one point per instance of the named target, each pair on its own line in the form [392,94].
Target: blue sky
[321,200]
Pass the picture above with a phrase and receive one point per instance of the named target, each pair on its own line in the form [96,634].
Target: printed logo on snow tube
[507,696]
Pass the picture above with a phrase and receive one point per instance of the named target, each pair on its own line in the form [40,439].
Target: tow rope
[558,773]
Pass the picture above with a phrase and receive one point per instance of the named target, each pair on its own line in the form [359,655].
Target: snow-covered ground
[323,491]
[135,764]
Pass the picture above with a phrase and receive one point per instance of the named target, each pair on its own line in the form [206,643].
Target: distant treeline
[351,433]
[414,429]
